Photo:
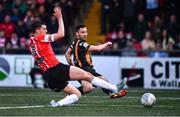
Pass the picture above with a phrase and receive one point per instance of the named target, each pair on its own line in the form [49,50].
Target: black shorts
[91,70]
[57,77]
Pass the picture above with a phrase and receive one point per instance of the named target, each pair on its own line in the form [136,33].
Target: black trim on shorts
[57,77]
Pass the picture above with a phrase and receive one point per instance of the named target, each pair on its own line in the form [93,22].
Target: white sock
[70,99]
[104,84]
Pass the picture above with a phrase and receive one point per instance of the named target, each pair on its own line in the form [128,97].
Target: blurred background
[145,36]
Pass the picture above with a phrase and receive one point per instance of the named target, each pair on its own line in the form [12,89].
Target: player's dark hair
[80,26]
[36,25]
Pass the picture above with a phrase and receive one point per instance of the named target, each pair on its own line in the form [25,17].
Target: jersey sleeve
[84,46]
[45,38]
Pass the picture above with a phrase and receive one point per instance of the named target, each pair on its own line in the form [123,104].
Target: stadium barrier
[152,73]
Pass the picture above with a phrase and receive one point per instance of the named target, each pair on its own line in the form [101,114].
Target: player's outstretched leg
[104,84]
[79,74]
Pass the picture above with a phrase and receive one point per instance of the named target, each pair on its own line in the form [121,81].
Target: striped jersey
[81,55]
[41,49]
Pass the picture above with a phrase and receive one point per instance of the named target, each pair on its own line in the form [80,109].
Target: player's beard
[82,38]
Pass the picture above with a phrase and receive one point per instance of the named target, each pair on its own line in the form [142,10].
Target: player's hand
[108,44]
[57,12]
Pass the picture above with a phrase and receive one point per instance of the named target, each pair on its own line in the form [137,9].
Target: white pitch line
[23,107]
[126,97]
[98,105]
[84,105]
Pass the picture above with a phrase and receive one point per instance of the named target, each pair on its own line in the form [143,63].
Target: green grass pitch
[35,102]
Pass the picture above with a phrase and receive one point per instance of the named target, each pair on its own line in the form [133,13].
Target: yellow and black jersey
[81,55]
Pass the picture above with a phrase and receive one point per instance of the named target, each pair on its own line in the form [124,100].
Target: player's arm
[60,32]
[68,56]
[100,47]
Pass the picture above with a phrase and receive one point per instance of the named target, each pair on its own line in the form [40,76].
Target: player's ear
[76,33]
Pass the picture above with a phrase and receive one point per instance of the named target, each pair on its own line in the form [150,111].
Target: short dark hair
[80,26]
[37,24]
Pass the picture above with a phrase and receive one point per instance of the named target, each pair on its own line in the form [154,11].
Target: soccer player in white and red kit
[57,74]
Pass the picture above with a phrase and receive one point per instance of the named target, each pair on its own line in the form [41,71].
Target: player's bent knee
[88,76]
[88,89]
[78,94]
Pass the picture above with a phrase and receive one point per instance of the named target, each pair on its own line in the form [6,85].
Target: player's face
[82,33]
[43,29]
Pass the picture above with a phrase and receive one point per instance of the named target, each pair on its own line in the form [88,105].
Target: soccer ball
[148,100]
